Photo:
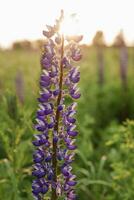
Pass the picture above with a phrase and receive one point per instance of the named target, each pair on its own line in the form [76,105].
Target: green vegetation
[105,156]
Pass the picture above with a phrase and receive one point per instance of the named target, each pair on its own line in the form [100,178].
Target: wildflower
[55,141]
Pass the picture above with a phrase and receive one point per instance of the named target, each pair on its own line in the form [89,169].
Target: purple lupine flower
[55,118]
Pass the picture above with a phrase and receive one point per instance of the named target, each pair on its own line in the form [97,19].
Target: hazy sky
[25,19]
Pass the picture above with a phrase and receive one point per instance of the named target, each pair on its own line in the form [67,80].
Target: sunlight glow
[26,19]
[70,25]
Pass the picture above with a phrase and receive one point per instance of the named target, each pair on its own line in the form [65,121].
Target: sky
[25,19]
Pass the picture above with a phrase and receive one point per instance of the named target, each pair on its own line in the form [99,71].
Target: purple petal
[39,173]
[48,158]
[71,120]
[56,92]
[48,34]
[71,147]
[60,107]
[65,171]
[71,195]
[40,112]
[71,183]
[76,95]
[66,187]
[38,156]
[75,77]
[58,39]
[46,95]
[44,189]
[72,133]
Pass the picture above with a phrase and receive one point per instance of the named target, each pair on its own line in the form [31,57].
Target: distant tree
[119,40]
[37,44]
[99,43]
[24,44]
[123,56]
[120,43]
[99,39]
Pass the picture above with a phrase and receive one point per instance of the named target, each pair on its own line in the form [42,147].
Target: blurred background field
[104,162]
[105,157]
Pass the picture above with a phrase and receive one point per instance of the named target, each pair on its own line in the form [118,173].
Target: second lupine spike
[55,142]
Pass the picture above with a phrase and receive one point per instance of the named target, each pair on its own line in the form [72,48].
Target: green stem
[56,127]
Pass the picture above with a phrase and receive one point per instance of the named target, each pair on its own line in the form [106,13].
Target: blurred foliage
[26,45]
[104,160]
[16,150]
[121,159]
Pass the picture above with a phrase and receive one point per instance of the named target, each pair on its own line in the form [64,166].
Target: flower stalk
[55,142]
[56,127]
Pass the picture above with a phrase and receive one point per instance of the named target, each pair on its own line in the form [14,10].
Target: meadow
[105,157]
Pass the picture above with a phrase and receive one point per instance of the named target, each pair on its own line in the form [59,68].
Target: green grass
[104,165]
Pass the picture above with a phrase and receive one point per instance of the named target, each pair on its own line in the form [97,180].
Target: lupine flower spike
[55,141]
